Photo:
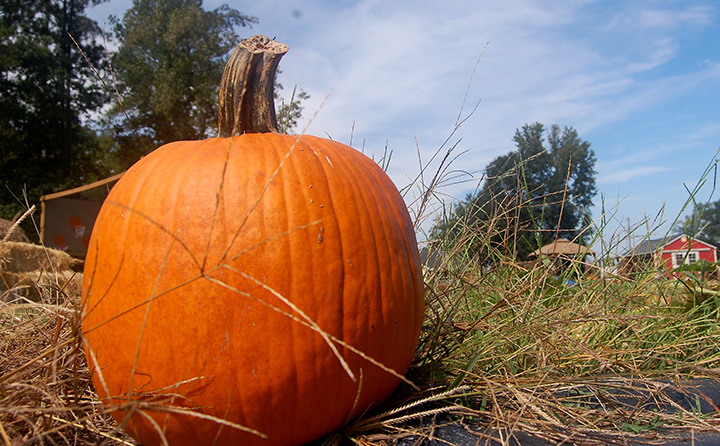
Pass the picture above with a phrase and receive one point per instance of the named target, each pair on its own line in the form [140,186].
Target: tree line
[72,112]
[531,196]
[703,222]
[537,193]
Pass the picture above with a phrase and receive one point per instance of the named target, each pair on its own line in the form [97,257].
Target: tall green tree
[168,68]
[48,92]
[532,195]
[703,222]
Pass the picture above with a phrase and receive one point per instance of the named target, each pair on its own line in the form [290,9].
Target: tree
[168,68]
[288,113]
[48,92]
[703,223]
[530,197]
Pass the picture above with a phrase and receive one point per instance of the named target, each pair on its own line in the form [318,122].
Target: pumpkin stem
[247,103]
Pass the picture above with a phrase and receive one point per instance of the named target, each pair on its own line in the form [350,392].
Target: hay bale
[41,286]
[20,257]
[36,273]
[18,235]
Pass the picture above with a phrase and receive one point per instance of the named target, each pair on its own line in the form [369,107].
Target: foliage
[530,197]
[166,71]
[289,113]
[168,68]
[703,222]
[48,93]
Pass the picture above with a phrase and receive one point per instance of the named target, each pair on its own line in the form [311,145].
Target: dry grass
[593,363]
[498,351]
[511,349]
[32,272]
[13,234]
[45,391]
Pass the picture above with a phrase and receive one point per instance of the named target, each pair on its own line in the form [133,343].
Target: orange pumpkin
[257,289]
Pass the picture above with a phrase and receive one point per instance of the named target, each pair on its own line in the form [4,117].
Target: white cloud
[694,15]
[636,16]
[622,175]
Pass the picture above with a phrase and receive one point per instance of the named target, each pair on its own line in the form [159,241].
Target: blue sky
[639,80]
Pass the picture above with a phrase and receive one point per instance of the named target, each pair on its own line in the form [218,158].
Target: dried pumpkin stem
[247,102]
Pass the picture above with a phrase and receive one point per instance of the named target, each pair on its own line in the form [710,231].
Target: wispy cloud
[692,15]
[624,175]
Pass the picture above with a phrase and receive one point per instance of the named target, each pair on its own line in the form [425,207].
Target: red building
[683,249]
[672,253]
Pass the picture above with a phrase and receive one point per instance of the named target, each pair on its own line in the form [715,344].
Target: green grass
[535,355]
[528,324]
[528,350]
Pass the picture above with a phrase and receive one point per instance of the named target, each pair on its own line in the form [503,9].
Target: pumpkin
[250,289]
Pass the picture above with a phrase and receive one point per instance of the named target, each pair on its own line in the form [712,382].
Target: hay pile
[32,272]
[17,234]
[45,393]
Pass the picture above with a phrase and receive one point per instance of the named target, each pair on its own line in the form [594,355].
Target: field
[515,347]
